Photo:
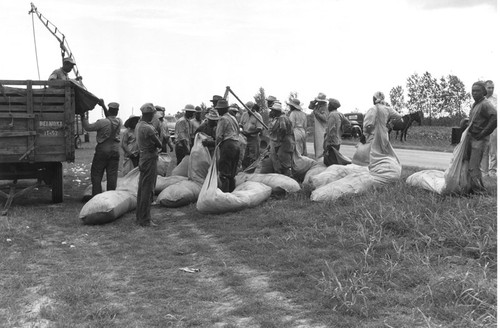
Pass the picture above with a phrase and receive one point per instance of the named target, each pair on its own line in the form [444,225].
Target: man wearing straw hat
[227,138]
[282,141]
[299,125]
[149,143]
[320,112]
[183,134]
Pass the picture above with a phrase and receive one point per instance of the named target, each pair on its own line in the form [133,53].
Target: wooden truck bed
[37,121]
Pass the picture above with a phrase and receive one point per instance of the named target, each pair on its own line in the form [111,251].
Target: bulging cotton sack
[432,180]
[182,168]
[164,160]
[278,182]
[213,200]
[199,159]
[301,165]
[179,194]
[164,182]
[107,207]
[352,184]
[335,172]
[313,171]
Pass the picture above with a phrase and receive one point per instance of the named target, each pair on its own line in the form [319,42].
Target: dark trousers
[104,160]
[181,150]
[145,192]
[228,164]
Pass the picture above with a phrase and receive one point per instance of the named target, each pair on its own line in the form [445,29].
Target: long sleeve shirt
[484,119]
[147,139]
[183,130]
[298,119]
[333,133]
[250,123]
[58,74]
[227,128]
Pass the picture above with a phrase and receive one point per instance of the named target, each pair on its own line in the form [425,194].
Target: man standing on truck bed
[62,72]
[107,150]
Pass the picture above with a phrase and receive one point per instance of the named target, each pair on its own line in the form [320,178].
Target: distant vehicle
[171,120]
[356,129]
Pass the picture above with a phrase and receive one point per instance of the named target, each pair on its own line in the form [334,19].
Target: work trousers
[106,159]
[252,151]
[147,183]
[228,164]
[181,150]
[477,149]
[282,160]
[489,161]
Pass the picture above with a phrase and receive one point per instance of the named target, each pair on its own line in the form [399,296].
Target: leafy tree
[397,98]
[260,99]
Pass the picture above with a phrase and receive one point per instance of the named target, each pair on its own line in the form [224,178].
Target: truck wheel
[57,183]
[78,142]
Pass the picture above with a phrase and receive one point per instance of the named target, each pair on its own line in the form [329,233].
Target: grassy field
[398,257]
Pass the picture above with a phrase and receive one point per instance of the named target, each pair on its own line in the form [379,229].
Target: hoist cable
[34,40]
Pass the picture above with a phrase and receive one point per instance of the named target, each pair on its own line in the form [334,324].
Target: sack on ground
[213,200]
[182,168]
[334,173]
[278,182]
[313,171]
[164,160]
[164,182]
[432,180]
[352,184]
[301,165]
[179,194]
[107,207]
[199,159]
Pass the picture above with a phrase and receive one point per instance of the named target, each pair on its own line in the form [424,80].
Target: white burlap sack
[164,182]
[199,160]
[352,184]
[313,171]
[213,200]
[335,172]
[163,163]
[278,182]
[129,182]
[182,168]
[107,207]
[432,180]
[179,194]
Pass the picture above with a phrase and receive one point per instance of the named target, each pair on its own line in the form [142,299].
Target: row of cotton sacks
[374,163]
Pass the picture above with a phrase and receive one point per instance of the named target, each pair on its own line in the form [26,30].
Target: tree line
[444,100]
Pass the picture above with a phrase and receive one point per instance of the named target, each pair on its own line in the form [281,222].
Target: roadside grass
[394,257]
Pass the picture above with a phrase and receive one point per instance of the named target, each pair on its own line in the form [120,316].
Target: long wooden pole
[228,89]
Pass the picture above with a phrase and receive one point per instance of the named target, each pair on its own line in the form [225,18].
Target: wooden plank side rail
[18,134]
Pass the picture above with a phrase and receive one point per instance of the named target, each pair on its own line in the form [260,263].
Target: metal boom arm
[65,50]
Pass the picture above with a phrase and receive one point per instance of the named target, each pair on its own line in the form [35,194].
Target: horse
[404,124]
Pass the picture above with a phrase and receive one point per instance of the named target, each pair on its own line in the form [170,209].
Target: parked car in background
[171,120]
[356,128]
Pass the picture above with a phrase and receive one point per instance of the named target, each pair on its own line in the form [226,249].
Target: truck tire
[57,183]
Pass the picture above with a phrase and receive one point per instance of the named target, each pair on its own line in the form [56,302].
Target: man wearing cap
[282,141]
[251,129]
[209,127]
[299,125]
[482,121]
[107,151]
[227,137]
[320,112]
[62,72]
[270,101]
[149,144]
[183,134]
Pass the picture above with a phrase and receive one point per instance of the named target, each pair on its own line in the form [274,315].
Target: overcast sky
[173,53]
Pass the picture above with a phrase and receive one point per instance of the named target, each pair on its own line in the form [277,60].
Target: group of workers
[227,126]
